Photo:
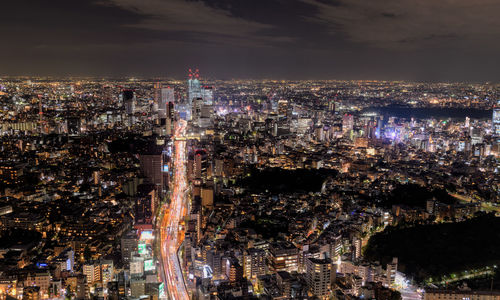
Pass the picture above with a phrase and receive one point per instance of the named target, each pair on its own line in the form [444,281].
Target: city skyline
[199,189]
[250,149]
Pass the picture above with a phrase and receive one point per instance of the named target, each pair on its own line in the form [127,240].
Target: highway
[486,206]
[171,233]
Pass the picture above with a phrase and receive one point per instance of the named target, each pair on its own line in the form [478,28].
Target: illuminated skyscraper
[282,107]
[194,86]
[129,105]
[145,204]
[347,123]
[167,95]
[496,120]
[170,110]
[129,101]
[170,118]
[157,87]
[207,95]
[331,105]
[196,109]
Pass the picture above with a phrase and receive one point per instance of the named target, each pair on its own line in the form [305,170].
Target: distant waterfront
[436,112]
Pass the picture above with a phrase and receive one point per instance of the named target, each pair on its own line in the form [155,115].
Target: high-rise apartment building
[319,274]
[254,263]
[93,272]
[391,270]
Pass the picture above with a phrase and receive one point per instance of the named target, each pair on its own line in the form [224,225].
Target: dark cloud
[352,39]
[187,16]
[387,23]
[388,15]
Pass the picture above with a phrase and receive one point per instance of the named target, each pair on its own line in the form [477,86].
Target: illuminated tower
[194,86]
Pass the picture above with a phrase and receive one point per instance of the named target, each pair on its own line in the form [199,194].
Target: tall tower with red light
[194,86]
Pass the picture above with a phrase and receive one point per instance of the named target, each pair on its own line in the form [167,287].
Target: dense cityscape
[248,189]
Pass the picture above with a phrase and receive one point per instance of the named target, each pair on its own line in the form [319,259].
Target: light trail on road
[487,206]
[171,235]
[407,290]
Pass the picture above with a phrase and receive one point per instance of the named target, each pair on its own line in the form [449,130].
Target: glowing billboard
[161,290]
[141,249]
[147,235]
[149,265]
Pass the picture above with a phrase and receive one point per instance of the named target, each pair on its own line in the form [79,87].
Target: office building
[129,101]
[283,256]
[145,204]
[208,95]
[167,96]
[129,244]
[194,86]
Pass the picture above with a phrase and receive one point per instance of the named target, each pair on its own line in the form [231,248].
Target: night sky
[426,40]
